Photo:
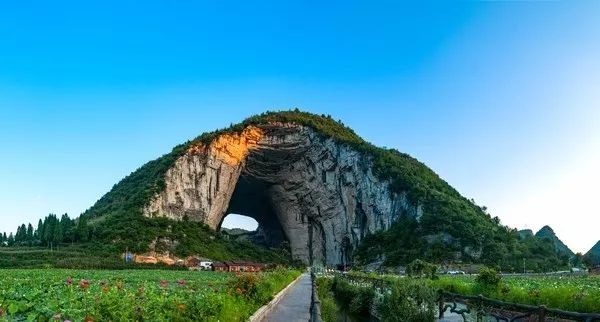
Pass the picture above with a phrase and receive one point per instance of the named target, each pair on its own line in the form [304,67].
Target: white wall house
[206,264]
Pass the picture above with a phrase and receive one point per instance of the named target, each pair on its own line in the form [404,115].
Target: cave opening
[251,198]
[236,221]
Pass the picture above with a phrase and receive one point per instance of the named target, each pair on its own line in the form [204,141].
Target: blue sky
[501,98]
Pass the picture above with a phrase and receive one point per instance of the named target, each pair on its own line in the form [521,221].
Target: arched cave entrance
[251,198]
[319,196]
[236,221]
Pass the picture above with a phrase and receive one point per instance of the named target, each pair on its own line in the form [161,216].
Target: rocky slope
[561,248]
[309,181]
[319,195]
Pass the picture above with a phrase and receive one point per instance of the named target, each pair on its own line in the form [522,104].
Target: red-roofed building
[220,267]
[237,266]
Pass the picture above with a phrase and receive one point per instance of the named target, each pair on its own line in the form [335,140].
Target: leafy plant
[408,301]
[358,300]
[132,295]
[489,278]
[419,268]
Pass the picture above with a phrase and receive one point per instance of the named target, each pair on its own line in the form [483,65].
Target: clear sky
[501,98]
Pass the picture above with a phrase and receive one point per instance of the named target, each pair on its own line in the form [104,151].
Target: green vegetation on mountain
[561,248]
[526,233]
[500,247]
[67,243]
[451,226]
[593,255]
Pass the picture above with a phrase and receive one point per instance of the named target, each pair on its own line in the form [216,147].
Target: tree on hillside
[21,235]
[10,240]
[38,231]
[66,225]
[2,239]
[82,229]
[29,237]
[577,260]
[57,234]
[51,230]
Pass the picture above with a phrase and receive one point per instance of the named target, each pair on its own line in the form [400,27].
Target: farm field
[571,293]
[126,295]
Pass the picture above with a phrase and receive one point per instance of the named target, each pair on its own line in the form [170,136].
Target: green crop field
[141,295]
[572,293]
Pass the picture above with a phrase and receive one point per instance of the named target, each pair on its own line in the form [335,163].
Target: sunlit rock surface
[319,195]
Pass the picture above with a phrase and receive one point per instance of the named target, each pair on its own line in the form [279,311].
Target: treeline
[49,231]
[408,240]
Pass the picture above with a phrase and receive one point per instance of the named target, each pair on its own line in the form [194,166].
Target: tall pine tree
[29,237]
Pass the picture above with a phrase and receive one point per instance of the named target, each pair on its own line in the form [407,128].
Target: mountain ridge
[443,216]
[548,232]
[594,254]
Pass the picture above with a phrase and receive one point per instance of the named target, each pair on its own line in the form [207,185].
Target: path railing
[480,308]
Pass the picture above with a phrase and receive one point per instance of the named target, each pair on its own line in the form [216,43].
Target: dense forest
[195,239]
[451,227]
[50,230]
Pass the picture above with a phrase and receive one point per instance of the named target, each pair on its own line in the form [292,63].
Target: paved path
[295,305]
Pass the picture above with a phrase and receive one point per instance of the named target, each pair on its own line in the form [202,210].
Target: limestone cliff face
[319,195]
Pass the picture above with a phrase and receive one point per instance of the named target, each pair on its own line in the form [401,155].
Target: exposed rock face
[319,195]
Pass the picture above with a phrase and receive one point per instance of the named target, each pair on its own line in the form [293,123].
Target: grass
[329,308]
[127,295]
[571,293]
[74,257]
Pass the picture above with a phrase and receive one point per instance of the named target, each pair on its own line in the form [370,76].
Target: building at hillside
[220,267]
[237,266]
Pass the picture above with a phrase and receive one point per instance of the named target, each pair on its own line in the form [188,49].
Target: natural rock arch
[300,186]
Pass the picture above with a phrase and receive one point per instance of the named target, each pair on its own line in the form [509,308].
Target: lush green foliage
[59,295]
[409,300]
[488,278]
[329,308]
[559,246]
[450,224]
[356,299]
[79,256]
[419,268]
[592,257]
[53,248]
[574,293]
[406,300]
[444,209]
[51,230]
[500,246]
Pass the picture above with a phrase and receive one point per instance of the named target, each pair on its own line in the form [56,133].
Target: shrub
[419,268]
[356,299]
[246,285]
[329,308]
[488,278]
[408,301]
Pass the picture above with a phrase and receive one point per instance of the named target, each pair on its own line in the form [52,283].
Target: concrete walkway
[295,305]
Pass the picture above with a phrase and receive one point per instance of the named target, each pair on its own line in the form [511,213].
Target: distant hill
[548,233]
[235,231]
[525,233]
[594,253]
